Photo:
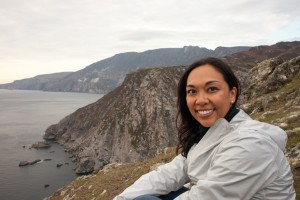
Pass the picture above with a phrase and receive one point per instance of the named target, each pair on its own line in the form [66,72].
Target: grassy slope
[110,181]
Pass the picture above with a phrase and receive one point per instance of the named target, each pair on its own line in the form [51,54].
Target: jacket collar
[240,117]
[213,137]
[217,132]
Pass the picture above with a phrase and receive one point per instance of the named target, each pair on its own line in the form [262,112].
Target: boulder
[35,161]
[23,163]
[86,166]
[41,144]
[59,165]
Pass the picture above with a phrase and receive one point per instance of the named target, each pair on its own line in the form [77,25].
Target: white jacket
[239,160]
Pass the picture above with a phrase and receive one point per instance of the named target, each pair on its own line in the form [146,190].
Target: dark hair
[191,131]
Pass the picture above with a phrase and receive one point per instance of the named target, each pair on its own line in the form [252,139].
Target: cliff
[131,123]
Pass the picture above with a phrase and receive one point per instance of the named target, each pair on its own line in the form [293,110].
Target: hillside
[35,83]
[248,59]
[272,97]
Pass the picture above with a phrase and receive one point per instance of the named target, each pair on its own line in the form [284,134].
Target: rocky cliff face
[133,122]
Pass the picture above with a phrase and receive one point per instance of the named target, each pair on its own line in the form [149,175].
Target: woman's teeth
[204,112]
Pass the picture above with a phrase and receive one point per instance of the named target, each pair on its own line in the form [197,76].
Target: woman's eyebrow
[189,85]
[207,83]
[211,82]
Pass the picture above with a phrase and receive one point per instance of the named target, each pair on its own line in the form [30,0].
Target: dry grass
[109,182]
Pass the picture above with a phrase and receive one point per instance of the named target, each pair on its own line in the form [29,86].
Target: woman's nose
[201,99]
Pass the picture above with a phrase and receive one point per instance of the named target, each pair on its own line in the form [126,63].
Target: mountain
[273,96]
[36,83]
[243,61]
[253,56]
[105,75]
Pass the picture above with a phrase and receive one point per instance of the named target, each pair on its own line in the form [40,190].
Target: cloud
[71,34]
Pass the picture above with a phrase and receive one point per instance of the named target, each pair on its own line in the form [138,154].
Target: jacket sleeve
[240,168]
[168,177]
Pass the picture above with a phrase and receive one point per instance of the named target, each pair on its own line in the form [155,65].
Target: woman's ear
[233,93]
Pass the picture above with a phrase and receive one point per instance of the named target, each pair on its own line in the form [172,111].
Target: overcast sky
[47,36]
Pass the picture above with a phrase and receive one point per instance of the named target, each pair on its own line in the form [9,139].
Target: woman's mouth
[205,113]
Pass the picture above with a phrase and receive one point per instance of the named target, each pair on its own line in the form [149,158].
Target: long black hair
[190,131]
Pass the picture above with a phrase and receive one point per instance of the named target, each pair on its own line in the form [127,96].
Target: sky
[49,36]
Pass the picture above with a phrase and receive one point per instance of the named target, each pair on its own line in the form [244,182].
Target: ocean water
[24,117]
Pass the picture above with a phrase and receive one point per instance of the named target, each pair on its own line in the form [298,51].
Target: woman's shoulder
[245,127]
[243,122]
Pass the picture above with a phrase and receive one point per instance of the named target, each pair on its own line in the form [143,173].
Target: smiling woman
[208,95]
[224,153]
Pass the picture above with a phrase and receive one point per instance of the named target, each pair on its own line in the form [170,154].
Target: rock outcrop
[274,95]
[270,75]
[135,121]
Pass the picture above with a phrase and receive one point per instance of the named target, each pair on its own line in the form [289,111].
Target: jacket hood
[278,135]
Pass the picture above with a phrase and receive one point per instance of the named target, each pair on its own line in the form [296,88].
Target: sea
[24,117]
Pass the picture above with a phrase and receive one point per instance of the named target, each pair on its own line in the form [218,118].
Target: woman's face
[207,94]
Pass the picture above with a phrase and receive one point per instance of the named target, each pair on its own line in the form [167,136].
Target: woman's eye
[191,91]
[212,89]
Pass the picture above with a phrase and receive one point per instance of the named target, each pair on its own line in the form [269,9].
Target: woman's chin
[207,123]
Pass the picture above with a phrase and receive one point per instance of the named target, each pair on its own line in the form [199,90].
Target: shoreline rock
[41,144]
[25,163]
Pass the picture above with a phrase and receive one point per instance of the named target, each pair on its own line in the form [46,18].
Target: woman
[224,153]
